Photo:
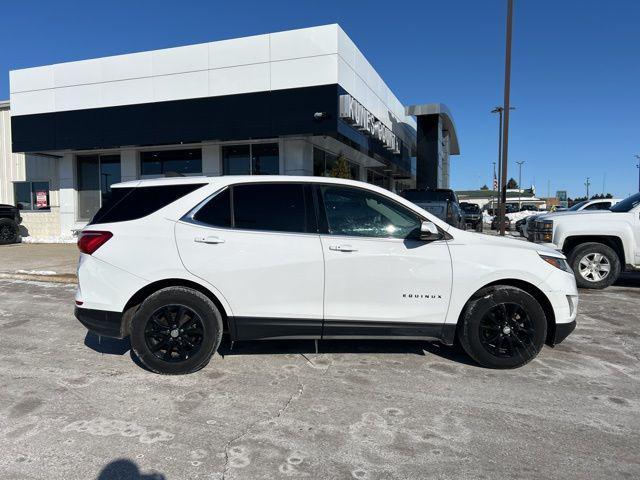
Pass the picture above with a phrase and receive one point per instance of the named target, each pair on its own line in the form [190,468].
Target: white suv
[174,263]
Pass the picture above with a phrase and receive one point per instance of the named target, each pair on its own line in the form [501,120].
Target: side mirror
[429,231]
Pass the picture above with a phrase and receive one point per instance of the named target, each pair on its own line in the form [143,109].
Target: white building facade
[301,102]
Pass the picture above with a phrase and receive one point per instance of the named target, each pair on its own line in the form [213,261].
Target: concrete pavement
[47,262]
[74,407]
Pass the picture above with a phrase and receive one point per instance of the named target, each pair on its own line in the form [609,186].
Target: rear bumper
[562,331]
[101,322]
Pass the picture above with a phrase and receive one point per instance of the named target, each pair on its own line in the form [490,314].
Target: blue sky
[575,76]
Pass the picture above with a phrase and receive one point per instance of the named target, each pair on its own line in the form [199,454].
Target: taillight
[91,240]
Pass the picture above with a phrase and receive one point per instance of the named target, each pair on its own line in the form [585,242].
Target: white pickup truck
[599,244]
[527,227]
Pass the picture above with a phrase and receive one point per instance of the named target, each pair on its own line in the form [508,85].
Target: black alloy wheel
[174,333]
[8,232]
[176,330]
[507,331]
[502,327]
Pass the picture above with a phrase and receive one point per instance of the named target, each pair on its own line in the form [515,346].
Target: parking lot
[76,408]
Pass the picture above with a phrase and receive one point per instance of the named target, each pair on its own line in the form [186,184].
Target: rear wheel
[8,231]
[176,330]
[503,327]
[595,265]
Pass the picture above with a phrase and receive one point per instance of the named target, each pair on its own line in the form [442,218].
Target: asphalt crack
[293,397]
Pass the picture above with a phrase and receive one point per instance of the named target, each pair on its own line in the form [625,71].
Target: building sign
[354,113]
[41,199]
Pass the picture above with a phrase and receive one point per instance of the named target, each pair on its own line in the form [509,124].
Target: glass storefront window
[109,174]
[265,159]
[253,159]
[32,195]
[325,164]
[187,161]
[96,174]
[88,167]
[235,159]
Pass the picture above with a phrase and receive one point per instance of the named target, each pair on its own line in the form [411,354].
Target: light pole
[507,92]
[494,187]
[587,184]
[638,165]
[499,110]
[520,180]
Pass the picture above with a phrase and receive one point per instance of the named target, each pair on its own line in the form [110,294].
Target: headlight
[546,225]
[557,262]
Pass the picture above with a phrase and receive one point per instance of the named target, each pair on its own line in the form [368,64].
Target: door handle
[342,248]
[210,239]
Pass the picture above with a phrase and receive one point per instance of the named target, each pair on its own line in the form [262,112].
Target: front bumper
[101,322]
[562,331]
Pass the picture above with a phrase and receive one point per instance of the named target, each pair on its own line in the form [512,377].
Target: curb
[58,278]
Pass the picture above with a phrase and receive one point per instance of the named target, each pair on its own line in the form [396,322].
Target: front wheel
[8,231]
[503,327]
[176,330]
[595,265]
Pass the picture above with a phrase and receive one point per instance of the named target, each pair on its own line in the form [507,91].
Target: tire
[484,334]
[177,351]
[8,231]
[479,227]
[588,262]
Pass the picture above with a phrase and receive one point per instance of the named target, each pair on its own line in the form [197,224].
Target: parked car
[495,224]
[441,202]
[529,207]
[600,204]
[599,244]
[472,215]
[10,220]
[175,262]
[519,225]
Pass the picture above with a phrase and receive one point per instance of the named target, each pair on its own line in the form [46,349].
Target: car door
[258,245]
[380,279]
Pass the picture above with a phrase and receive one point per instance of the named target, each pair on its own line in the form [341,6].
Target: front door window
[362,213]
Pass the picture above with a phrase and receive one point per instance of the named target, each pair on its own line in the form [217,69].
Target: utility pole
[507,92]
[520,181]
[587,184]
[499,110]
[638,165]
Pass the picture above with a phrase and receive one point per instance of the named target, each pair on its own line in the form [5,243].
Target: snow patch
[514,217]
[53,239]
[36,272]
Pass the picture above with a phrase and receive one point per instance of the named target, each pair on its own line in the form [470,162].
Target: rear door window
[127,204]
[599,206]
[279,207]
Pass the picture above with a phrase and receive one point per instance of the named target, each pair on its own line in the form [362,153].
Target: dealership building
[300,102]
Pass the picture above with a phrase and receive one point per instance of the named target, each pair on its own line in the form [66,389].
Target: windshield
[470,208]
[627,204]
[437,209]
[416,196]
[577,206]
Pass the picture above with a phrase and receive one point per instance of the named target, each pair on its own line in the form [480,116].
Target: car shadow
[108,345]
[358,346]
[628,279]
[114,346]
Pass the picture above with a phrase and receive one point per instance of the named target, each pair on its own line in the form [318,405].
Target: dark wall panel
[233,117]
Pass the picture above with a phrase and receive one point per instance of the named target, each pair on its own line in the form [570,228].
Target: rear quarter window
[133,203]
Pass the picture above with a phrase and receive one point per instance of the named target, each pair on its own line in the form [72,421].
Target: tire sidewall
[578,253]
[199,303]
[477,308]
[4,223]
